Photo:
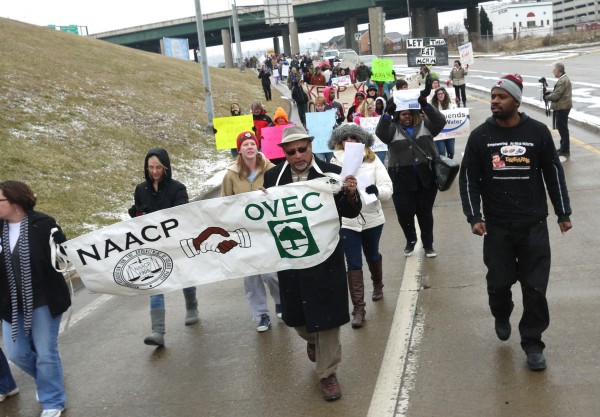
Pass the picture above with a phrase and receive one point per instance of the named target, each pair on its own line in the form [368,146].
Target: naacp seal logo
[143,269]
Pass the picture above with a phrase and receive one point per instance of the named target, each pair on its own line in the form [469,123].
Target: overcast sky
[105,15]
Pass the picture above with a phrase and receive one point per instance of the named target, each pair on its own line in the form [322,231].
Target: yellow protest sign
[228,129]
[382,70]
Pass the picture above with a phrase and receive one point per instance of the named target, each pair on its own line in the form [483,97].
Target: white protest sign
[353,157]
[466,53]
[349,61]
[285,70]
[370,125]
[407,99]
[293,226]
[343,80]
[457,124]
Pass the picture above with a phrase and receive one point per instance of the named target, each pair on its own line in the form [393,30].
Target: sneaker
[430,252]
[502,330]
[311,352]
[9,394]
[565,154]
[330,388]
[536,361]
[51,413]
[409,248]
[265,323]
[278,311]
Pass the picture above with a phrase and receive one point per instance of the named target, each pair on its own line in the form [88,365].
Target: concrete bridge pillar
[474,23]
[285,35]
[226,36]
[293,29]
[351,29]
[424,22]
[376,29]
[276,47]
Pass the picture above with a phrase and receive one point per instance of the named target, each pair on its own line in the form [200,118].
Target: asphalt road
[427,349]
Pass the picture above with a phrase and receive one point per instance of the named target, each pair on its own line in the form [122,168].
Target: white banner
[290,227]
[457,124]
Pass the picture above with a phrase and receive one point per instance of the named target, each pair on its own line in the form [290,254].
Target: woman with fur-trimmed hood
[362,234]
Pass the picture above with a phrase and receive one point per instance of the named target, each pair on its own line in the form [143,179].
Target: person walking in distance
[457,76]
[516,245]
[160,191]
[561,104]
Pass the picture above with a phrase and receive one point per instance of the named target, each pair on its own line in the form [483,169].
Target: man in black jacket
[506,163]
[315,300]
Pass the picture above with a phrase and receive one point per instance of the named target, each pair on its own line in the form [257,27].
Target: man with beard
[516,245]
[314,300]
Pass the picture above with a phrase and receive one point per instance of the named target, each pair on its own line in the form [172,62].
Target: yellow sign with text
[228,129]
[382,70]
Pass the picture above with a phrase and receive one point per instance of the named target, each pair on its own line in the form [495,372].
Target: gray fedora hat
[294,133]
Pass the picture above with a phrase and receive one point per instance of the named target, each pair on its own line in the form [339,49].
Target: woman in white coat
[362,234]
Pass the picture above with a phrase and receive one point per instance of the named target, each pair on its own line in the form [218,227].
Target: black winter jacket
[170,192]
[45,280]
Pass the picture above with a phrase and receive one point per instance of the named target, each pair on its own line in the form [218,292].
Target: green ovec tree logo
[293,238]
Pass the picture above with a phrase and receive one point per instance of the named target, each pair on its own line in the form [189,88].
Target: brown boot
[377,278]
[356,286]
[330,388]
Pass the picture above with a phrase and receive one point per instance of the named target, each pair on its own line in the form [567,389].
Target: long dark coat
[316,297]
[46,282]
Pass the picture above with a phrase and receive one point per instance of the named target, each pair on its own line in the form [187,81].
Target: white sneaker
[51,413]
[9,394]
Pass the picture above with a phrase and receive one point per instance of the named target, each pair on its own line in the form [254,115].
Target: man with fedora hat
[314,301]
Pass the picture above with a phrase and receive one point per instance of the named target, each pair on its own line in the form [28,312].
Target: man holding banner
[315,300]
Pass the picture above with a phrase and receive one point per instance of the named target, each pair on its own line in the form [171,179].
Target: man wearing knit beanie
[509,168]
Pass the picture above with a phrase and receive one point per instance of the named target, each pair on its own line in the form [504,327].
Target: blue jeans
[7,382]
[157,301]
[445,147]
[367,240]
[326,156]
[37,355]
[381,155]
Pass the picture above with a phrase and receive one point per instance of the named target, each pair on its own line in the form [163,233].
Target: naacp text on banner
[294,226]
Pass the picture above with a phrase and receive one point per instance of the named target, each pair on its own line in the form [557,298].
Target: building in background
[576,14]
[521,18]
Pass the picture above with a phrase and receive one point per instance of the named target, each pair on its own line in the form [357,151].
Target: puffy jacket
[372,214]
[457,76]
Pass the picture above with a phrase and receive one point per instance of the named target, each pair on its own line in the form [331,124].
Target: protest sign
[382,70]
[271,138]
[285,70]
[291,227]
[457,124]
[370,124]
[407,99]
[320,125]
[344,94]
[466,54]
[341,81]
[350,61]
[228,129]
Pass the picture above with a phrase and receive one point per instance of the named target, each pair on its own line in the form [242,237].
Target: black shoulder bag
[445,169]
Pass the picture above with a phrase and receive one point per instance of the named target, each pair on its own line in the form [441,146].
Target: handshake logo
[216,239]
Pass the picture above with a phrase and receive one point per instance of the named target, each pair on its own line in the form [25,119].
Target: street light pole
[409,18]
[236,33]
[208,101]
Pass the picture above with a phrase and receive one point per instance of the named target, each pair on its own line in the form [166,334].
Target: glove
[422,100]
[372,189]
[214,131]
[391,108]
[428,83]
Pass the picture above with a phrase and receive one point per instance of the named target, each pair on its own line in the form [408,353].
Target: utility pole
[236,33]
[208,101]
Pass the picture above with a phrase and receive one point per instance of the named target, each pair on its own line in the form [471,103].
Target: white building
[580,14]
[520,18]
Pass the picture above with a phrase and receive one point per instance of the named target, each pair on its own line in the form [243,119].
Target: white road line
[84,312]
[395,360]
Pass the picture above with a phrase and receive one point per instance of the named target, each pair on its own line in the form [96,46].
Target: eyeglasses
[292,152]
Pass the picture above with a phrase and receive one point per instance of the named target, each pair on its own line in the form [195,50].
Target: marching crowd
[504,203]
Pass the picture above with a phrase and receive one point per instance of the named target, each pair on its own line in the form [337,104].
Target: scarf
[26,289]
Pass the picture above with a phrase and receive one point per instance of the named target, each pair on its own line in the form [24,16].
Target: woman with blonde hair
[362,234]
[246,174]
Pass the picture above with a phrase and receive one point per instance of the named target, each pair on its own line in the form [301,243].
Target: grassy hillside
[78,116]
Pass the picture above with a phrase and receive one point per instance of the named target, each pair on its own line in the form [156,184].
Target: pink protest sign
[272,137]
